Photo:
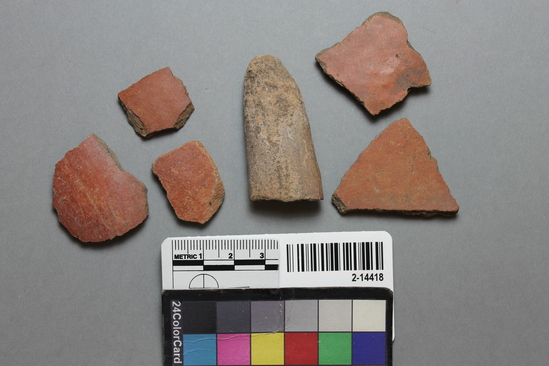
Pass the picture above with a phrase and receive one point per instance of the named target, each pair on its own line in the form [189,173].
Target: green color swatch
[334,348]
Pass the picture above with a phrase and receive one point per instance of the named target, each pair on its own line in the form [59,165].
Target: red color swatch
[301,349]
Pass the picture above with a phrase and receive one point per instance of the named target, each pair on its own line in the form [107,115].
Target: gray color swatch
[233,317]
[267,316]
[301,316]
[334,315]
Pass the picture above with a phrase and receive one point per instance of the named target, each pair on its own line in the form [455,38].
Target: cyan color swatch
[199,349]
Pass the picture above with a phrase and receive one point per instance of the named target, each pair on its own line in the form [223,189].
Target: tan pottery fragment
[281,159]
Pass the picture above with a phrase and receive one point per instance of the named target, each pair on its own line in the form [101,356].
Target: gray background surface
[471,290]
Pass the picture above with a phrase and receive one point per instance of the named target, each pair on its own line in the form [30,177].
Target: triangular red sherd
[395,173]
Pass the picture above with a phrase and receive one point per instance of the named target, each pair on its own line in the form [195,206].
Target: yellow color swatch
[267,348]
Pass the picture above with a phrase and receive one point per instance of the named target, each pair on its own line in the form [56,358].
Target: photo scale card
[278,299]
[278,326]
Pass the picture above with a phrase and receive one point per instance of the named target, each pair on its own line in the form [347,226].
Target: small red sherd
[157,102]
[94,198]
[192,182]
[376,63]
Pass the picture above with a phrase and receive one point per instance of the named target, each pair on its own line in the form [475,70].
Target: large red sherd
[192,182]
[395,173]
[157,102]
[94,198]
[376,63]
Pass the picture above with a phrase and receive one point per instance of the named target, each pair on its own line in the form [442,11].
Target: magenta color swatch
[233,349]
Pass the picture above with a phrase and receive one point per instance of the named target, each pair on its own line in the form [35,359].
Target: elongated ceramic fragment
[281,159]
[192,182]
[94,198]
[396,173]
[376,63]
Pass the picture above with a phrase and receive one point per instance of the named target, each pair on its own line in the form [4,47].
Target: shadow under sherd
[285,209]
[399,215]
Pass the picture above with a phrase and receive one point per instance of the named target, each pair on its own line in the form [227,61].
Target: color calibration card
[286,299]
[287,326]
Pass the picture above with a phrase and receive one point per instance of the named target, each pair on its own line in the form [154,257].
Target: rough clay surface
[376,63]
[95,199]
[281,159]
[395,173]
[192,182]
[157,102]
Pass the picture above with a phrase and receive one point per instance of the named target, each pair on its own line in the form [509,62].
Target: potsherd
[376,63]
[396,173]
[192,182]
[95,199]
[157,102]
[280,154]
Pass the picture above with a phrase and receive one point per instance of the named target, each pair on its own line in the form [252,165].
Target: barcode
[346,256]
